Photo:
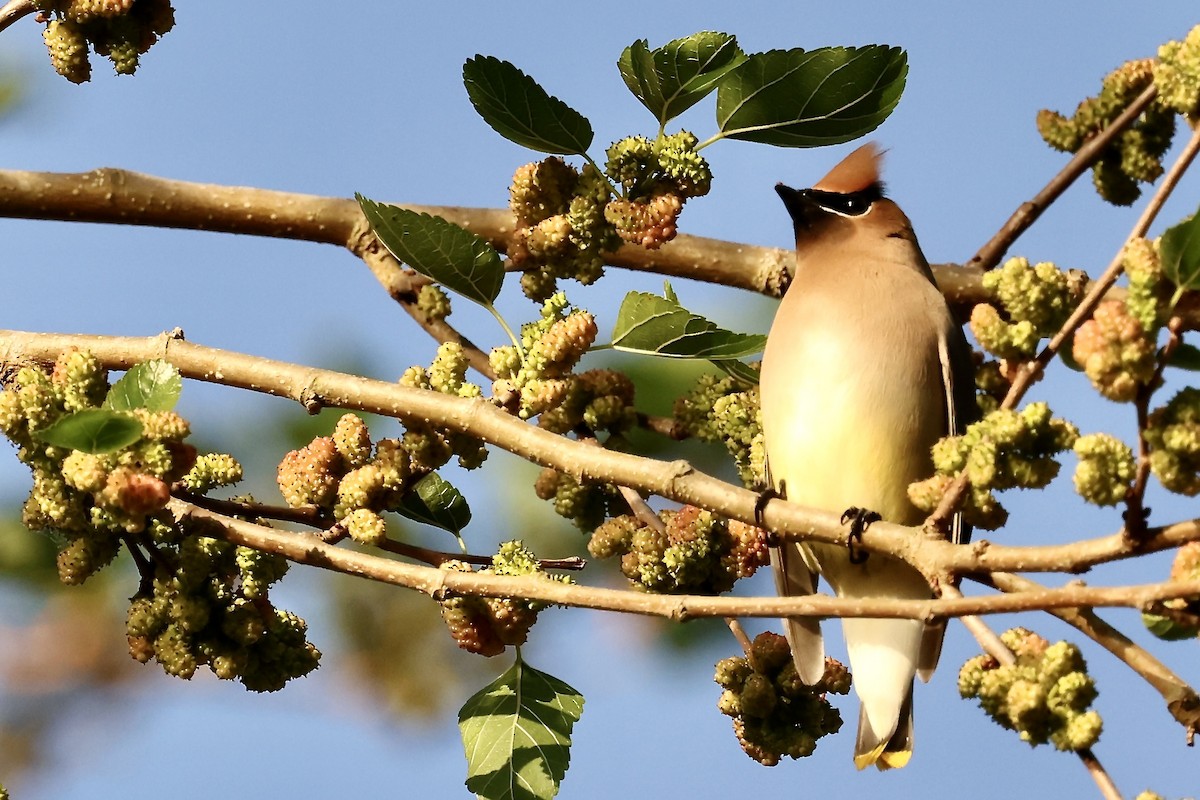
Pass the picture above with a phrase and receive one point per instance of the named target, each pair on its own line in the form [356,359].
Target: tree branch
[675,480]
[13,10]
[310,550]
[1032,370]
[122,197]
[994,646]
[1182,701]
[1028,212]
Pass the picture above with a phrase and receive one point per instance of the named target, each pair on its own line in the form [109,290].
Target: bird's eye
[854,204]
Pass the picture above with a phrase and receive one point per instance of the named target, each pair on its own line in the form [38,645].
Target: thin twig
[739,633]
[1028,212]
[316,517]
[311,550]
[997,649]
[14,10]
[1181,699]
[1104,781]
[675,480]
[1136,513]
[1032,370]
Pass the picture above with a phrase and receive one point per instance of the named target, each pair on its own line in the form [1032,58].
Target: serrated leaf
[516,732]
[93,430]
[438,249]
[1179,253]
[647,323]
[153,385]
[520,110]
[741,372]
[671,79]
[1185,356]
[798,98]
[434,501]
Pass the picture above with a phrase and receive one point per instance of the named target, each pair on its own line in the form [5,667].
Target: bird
[864,369]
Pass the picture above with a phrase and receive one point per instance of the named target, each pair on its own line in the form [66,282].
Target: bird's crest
[855,173]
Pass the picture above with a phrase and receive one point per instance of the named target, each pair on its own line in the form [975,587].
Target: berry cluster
[202,600]
[1005,450]
[1149,294]
[1115,352]
[212,609]
[720,409]
[1180,619]
[774,713]
[696,552]
[487,625]
[350,477]
[1106,469]
[560,227]
[120,30]
[567,219]
[585,503]
[1133,157]
[433,302]
[543,384]
[428,447]
[1044,696]
[91,499]
[1028,302]
[1177,74]
[1173,433]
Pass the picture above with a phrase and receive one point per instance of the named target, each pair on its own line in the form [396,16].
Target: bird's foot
[764,497]
[860,519]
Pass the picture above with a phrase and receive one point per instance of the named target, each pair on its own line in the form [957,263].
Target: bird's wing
[794,578]
[958,377]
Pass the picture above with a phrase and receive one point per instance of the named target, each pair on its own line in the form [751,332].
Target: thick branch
[122,197]
[675,480]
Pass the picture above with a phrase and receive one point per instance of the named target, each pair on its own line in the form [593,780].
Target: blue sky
[331,99]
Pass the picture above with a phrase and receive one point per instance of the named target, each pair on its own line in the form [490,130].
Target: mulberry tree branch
[1181,699]
[311,550]
[13,10]
[1028,212]
[675,480]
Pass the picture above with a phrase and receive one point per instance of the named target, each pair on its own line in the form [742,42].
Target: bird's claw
[860,519]
[764,497]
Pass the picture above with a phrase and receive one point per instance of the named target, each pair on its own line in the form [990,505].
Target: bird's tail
[891,753]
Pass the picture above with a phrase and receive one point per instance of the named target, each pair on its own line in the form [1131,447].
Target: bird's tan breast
[852,394]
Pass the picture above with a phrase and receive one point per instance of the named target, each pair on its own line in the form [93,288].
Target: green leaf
[1168,629]
[434,501]
[1179,253]
[794,98]
[517,734]
[438,249]
[153,385]
[676,76]
[521,111]
[1185,356]
[93,430]
[647,323]
[741,372]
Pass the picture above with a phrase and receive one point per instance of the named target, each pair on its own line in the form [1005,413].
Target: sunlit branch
[674,480]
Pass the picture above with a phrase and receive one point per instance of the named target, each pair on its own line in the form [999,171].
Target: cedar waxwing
[864,369]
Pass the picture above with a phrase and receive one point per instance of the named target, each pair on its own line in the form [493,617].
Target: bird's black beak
[799,205]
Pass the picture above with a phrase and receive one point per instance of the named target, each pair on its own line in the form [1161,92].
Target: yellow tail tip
[883,759]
